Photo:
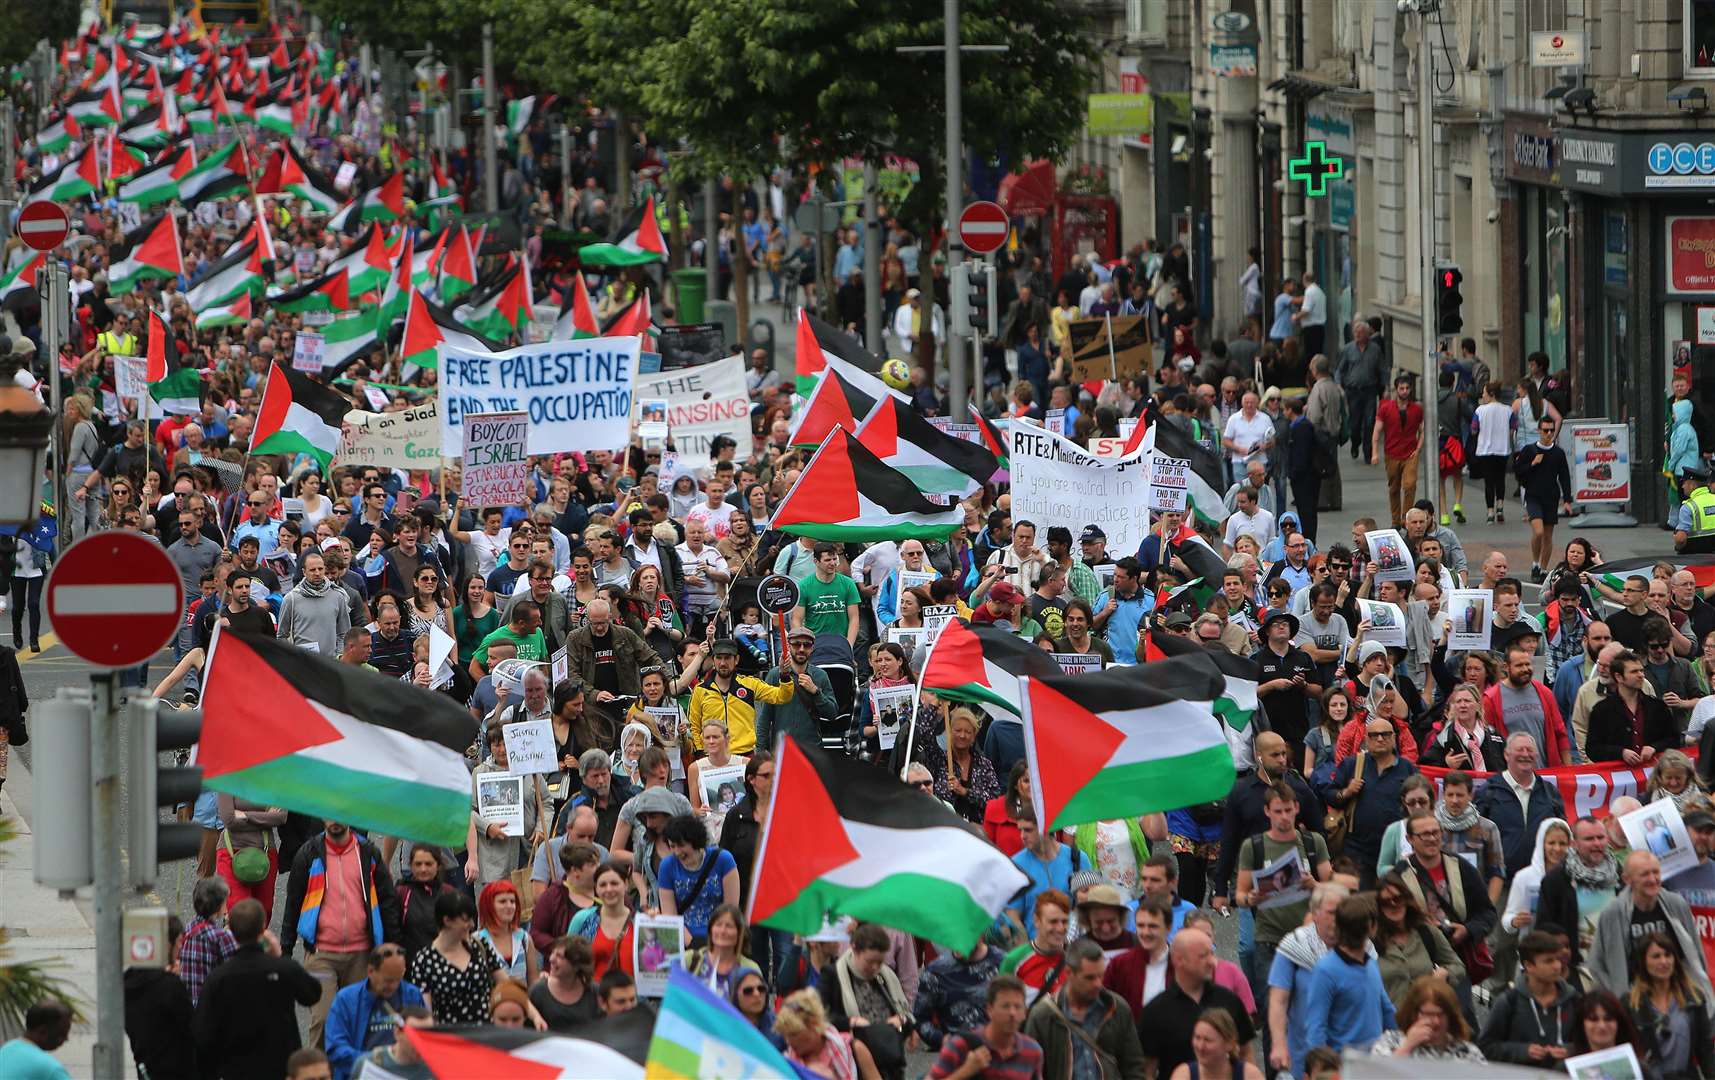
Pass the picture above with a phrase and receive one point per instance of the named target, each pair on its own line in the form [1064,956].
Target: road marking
[48,642]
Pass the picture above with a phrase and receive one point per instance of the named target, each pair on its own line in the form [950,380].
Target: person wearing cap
[1000,608]
[908,321]
[1697,883]
[1287,681]
[1694,527]
[1093,543]
[725,696]
[810,701]
[1079,576]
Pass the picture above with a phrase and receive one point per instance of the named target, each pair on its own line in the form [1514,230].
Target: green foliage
[23,23]
[453,28]
[24,984]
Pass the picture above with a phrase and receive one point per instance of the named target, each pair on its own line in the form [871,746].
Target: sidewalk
[42,927]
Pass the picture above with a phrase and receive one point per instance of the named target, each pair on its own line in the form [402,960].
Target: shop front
[1643,258]
[1535,308]
[1331,221]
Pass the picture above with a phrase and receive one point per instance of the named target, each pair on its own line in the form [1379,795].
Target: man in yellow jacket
[729,698]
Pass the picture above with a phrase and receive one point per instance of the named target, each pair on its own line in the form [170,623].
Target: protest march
[586,693]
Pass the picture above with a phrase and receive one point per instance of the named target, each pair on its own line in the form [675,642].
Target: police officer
[1694,531]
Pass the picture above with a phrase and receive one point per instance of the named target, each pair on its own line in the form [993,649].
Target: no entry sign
[983,227]
[43,226]
[115,599]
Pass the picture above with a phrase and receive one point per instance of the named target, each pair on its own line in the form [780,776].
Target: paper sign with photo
[1615,1063]
[657,946]
[1658,829]
[1469,613]
[1387,622]
[1078,663]
[889,708]
[909,638]
[651,419]
[530,747]
[500,801]
[723,786]
[1283,881]
[910,579]
[561,668]
[1391,556]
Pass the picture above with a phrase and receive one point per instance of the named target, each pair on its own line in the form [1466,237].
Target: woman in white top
[316,505]
[1530,406]
[1553,841]
[28,568]
[1494,443]
[500,912]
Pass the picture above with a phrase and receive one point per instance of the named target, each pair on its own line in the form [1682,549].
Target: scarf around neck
[1456,824]
[1606,875]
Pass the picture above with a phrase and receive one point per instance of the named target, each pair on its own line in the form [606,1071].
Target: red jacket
[1126,975]
[1554,728]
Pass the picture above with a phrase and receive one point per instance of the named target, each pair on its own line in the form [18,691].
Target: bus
[148,13]
[252,13]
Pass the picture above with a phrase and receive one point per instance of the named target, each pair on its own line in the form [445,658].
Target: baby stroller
[833,654]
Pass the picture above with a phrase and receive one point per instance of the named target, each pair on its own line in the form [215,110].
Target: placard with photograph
[1658,829]
[1391,556]
[657,945]
[909,638]
[1283,881]
[500,801]
[1387,622]
[889,708]
[1470,613]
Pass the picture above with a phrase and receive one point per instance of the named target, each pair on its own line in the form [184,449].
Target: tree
[24,23]
[453,28]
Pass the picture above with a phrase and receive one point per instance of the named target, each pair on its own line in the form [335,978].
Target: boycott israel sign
[407,439]
[576,394]
[496,458]
[1054,482]
[702,402]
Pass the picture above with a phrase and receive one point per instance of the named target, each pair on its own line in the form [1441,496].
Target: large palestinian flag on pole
[613,1048]
[74,179]
[287,727]
[1125,741]
[846,494]
[982,665]
[302,179]
[1203,478]
[151,251]
[995,439]
[298,416]
[385,202]
[844,397]
[429,327]
[578,319]
[366,262]
[173,387]
[330,292]
[1237,704]
[935,461]
[817,342]
[637,241]
[239,272]
[859,842]
[220,173]
[501,308]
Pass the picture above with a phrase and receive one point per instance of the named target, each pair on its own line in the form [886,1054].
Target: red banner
[1705,917]
[1585,789]
[1690,254]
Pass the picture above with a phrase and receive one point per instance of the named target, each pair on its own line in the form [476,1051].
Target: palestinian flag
[578,319]
[458,266]
[235,312]
[1237,704]
[396,297]
[982,665]
[272,114]
[90,108]
[383,203]
[859,842]
[298,416]
[613,1048]
[18,285]
[365,263]
[1614,574]
[238,273]
[518,112]
[173,387]
[817,342]
[1206,570]
[1203,495]
[330,292]
[698,1027]
[500,309]
[347,338]
[56,137]
[994,438]
[160,181]
[637,242]
[151,251]
[220,173]
[1125,741]
[122,160]
[844,397]
[74,179]
[935,461]
[428,327]
[306,182]
[287,727]
[152,127]
[633,321]
[845,493]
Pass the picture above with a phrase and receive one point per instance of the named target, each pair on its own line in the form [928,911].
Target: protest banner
[1056,482]
[947,426]
[702,403]
[309,350]
[130,376]
[496,458]
[1167,482]
[1586,789]
[1104,446]
[530,747]
[1094,357]
[407,439]
[577,394]
[1078,663]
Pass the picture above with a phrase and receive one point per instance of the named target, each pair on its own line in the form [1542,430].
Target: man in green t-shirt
[524,631]
[1280,894]
[828,600]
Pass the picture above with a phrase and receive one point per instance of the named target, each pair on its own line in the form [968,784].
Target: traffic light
[1449,318]
[155,727]
[974,302]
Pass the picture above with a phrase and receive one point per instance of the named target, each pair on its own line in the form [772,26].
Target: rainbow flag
[699,1034]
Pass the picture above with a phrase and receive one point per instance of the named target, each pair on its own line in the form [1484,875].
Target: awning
[1029,193]
[1308,84]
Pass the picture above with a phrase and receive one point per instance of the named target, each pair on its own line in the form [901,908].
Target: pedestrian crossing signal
[1449,302]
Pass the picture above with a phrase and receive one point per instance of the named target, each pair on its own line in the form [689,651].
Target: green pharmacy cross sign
[1316,168]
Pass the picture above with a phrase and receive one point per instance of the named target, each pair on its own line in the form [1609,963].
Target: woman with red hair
[500,915]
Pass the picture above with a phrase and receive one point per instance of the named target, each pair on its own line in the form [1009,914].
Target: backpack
[1305,847]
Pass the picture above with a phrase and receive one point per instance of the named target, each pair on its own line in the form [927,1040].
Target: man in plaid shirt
[206,942]
[998,1050]
[1567,638]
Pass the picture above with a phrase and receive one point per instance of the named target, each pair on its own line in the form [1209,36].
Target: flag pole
[1113,363]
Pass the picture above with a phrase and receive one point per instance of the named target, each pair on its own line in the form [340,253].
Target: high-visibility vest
[118,344]
[1702,512]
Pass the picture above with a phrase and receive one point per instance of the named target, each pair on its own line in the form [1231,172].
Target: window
[1700,39]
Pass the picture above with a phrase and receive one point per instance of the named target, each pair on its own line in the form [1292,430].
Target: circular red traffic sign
[983,227]
[115,599]
[43,226]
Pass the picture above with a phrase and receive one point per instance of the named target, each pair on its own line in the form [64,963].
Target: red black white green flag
[846,493]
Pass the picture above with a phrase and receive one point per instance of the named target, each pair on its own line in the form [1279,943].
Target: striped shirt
[1024,1063]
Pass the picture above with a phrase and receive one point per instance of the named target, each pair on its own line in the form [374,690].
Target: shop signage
[1532,151]
[1556,48]
[1590,161]
[1680,164]
[1332,125]
[1342,203]
[1640,163]
[1120,114]
[1133,81]
[1232,61]
[1690,250]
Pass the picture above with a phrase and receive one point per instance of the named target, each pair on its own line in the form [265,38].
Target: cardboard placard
[1658,829]
[1470,613]
[891,707]
[1094,357]
[1078,663]
[308,352]
[496,458]
[530,747]
[657,947]
[1168,482]
[1387,622]
[1391,556]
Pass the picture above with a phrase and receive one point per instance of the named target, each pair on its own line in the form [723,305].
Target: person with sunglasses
[1543,472]
[352,1016]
